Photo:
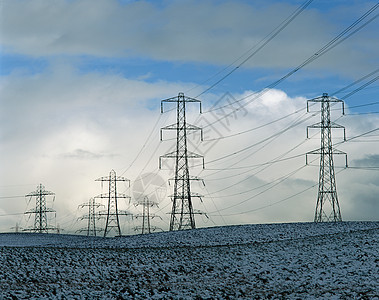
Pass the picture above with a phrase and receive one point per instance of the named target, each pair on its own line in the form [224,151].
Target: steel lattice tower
[146,215]
[40,211]
[113,213]
[327,206]
[92,216]
[182,214]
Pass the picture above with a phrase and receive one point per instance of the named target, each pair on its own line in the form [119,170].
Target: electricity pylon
[182,214]
[327,190]
[16,228]
[146,216]
[113,213]
[40,211]
[92,216]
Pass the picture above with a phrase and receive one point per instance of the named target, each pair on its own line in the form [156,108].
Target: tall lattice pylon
[40,211]
[146,216]
[91,217]
[112,213]
[327,206]
[182,214]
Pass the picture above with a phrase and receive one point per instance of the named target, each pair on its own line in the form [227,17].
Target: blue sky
[81,84]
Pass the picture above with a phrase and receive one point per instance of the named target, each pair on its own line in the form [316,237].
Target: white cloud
[65,129]
[194,31]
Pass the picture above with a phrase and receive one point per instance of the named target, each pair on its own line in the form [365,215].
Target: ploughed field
[265,261]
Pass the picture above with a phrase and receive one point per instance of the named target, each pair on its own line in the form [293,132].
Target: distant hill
[268,261]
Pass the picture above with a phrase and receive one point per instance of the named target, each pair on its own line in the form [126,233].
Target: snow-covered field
[270,261]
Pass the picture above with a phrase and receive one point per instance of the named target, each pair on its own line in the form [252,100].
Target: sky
[81,84]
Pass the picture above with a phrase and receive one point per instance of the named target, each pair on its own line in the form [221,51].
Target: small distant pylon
[327,190]
[40,211]
[92,216]
[146,216]
[182,214]
[17,228]
[113,213]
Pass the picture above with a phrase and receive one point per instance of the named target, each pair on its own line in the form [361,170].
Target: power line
[357,136]
[255,128]
[289,175]
[265,190]
[364,113]
[297,111]
[262,141]
[12,214]
[144,145]
[277,202]
[355,82]
[326,48]
[362,105]
[10,197]
[268,38]
[257,165]
[360,88]
[267,165]
[252,189]
[272,204]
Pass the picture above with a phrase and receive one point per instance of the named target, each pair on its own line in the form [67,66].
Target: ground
[269,261]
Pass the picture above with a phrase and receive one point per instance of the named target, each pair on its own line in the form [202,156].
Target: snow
[267,261]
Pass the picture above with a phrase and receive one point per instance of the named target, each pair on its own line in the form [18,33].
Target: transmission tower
[16,228]
[146,216]
[327,206]
[92,216]
[40,211]
[113,213]
[182,214]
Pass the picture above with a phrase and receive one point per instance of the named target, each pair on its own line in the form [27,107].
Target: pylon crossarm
[119,212]
[170,127]
[33,211]
[97,205]
[118,178]
[118,195]
[43,193]
[317,125]
[197,195]
[124,213]
[193,155]
[336,151]
[154,228]
[188,127]
[168,155]
[102,213]
[317,151]
[196,178]
[39,229]
[174,155]
[323,97]
[181,95]
[339,152]
[335,125]
[86,229]
[199,212]
[180,98]
[95,216]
